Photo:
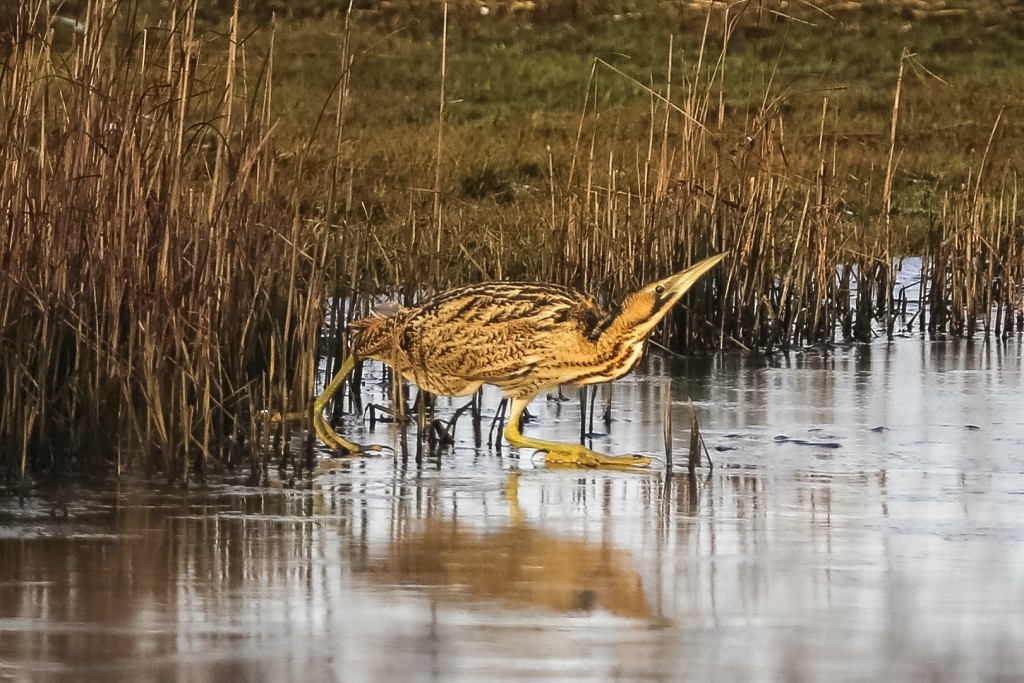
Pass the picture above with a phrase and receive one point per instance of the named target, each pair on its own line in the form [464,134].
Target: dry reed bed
[164,278]
[156,285]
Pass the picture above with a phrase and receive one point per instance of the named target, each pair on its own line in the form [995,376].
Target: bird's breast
[606,364]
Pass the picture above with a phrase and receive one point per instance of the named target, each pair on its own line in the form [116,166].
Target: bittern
[520,337]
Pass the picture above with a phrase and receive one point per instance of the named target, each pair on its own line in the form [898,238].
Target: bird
[520,337]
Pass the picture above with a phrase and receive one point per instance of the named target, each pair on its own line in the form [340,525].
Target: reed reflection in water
[898,554]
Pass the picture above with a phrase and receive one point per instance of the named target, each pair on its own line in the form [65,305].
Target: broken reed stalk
[583,390]
[666,422]
[693,455]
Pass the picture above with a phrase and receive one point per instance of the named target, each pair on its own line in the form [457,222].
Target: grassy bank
[184,188]
[516,87]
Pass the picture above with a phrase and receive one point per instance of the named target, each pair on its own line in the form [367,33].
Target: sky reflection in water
[864,520]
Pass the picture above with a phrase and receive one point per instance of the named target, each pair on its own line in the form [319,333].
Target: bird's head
[644,309]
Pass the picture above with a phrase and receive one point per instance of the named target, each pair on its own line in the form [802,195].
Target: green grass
[516,89]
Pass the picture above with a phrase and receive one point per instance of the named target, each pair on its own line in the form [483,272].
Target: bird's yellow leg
[321,401]
[323,429]
[326,433]
[558,453]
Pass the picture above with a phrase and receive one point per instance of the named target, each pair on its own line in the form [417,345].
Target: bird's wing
[495,332]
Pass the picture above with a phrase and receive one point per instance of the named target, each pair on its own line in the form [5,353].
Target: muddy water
[864,520]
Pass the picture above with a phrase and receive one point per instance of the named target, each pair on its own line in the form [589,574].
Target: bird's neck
[616,351]
[630,326]
[625,335]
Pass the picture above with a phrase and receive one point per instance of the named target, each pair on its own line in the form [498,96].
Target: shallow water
[864,520]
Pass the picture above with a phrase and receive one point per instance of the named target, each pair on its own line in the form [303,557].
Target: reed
[160,280]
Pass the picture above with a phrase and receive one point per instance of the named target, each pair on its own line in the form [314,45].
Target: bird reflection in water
[518,565]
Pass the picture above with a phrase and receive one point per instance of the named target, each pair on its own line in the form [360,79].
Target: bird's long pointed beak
[676,285]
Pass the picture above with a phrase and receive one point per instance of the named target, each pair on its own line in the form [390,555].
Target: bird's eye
[659,290]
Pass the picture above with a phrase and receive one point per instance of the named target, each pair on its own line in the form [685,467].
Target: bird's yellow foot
[336,443]
[568,454]
[579,456]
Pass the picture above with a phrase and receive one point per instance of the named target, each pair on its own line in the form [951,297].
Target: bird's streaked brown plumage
[520,337]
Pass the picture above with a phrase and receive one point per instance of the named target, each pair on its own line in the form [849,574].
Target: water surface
[864,520]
